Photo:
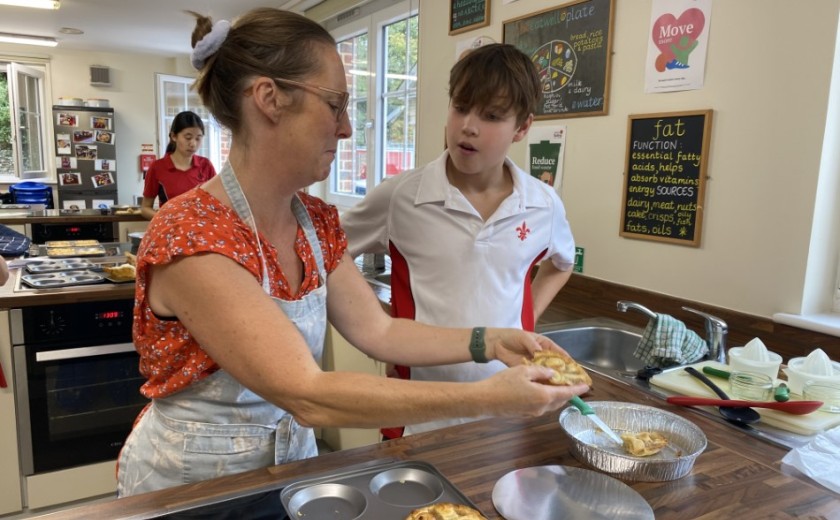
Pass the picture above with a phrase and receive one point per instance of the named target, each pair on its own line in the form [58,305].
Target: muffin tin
[381,490]
[61,279]
[57,265]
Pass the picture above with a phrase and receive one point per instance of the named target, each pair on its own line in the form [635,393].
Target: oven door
[76,405]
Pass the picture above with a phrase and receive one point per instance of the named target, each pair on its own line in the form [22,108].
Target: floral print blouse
[195,223]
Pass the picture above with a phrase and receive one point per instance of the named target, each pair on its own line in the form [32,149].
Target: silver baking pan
[57,265]
[61,279]
[686,441]
[370,492]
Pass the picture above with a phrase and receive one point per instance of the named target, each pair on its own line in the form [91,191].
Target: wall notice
[665,176]
[570,46]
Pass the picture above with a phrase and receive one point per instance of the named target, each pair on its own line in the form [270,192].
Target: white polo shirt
[451,268]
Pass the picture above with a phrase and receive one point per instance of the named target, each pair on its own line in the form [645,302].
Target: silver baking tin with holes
[53,266]
[61,279]
[686,441]
[371,491]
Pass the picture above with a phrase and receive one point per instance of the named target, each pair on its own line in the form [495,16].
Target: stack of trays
[71,248]
[67,272]
[371,492]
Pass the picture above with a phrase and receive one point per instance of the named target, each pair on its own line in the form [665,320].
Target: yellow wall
[767,77]
[132,95]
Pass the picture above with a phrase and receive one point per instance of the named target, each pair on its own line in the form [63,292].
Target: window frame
[375,132]
[39,70]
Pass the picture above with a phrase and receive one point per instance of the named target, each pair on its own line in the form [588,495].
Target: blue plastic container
[29,192]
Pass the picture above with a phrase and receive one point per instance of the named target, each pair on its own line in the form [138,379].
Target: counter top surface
[736,476]
[57,216]
[14,295]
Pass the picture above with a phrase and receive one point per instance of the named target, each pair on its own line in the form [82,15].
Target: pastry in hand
[445,511]
[643,444]
[566,370]
[131,259]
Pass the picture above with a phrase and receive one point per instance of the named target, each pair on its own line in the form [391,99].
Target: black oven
[77,382]
[102,231]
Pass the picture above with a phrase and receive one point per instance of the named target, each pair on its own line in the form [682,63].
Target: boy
[465,231]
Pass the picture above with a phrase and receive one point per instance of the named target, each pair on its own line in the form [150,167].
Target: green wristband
[477,348]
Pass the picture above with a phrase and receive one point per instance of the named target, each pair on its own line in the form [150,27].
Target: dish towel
[667,342]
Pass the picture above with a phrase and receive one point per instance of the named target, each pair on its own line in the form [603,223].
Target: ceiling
[139,26]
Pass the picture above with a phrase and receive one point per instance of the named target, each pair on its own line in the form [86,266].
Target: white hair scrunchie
[208,45]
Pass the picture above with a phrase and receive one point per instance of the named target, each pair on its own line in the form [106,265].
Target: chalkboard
[571,48]
[665,179]
[466,15]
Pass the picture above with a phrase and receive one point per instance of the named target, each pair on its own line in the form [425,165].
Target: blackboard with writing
[571,46]
[665,177]
[466,15]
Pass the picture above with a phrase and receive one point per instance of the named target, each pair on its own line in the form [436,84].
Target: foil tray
[57,265]
[61,279]
[370,492]
[686,441]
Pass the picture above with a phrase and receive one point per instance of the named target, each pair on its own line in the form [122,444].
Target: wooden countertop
[52,216]
[13,295]
[736,477]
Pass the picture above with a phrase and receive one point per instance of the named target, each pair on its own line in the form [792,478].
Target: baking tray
[686,441]
[61,279]
[71,243]
[57,265]
[72,251]
[371,492]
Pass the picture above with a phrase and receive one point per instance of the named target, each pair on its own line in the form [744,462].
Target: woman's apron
[216,426]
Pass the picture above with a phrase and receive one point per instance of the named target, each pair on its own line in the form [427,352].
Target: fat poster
[546,148]
[677,44]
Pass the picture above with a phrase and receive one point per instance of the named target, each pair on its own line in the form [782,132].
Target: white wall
[132,95]
[767,80]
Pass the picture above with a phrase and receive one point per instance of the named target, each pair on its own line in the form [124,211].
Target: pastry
[643,444]
[566,370]
[445,511]
[122,272]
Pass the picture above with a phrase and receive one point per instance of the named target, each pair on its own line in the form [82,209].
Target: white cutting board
[681,382]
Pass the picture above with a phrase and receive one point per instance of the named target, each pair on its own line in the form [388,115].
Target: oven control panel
[81,322]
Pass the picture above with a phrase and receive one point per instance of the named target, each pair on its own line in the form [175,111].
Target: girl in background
[180,170]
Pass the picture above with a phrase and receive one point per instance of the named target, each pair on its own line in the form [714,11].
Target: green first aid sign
[578,259]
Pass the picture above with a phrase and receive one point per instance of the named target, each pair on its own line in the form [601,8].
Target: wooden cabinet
[10,488]
[339,355]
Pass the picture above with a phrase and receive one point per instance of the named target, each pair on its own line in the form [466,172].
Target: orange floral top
[197,222]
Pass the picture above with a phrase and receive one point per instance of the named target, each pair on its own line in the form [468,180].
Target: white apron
[216,426]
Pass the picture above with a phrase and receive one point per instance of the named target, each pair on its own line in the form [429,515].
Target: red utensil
[792,407]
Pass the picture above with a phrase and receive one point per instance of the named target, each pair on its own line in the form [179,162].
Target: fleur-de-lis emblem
[522,231]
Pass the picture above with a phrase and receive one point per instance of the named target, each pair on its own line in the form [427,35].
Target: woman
[180,169]
[235,280]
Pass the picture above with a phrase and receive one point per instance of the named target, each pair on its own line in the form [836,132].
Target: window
[379,49]
[174,95]
[23,122]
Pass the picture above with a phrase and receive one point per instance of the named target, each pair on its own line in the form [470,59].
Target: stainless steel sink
[602,344]
[606,346]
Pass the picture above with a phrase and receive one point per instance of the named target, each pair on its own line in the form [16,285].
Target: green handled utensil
[781,393]
[587,411]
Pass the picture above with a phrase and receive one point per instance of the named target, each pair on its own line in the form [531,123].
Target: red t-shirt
[170,358]
[166,181]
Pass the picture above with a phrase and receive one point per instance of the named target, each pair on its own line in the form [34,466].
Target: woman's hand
[510,346]
[521,392]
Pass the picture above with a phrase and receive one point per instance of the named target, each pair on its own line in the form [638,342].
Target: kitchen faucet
[625,305]
[716,328]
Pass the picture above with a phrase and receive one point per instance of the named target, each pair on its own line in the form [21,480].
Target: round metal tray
[552,492]
[686,441]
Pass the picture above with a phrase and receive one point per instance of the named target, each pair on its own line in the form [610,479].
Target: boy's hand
[510,346]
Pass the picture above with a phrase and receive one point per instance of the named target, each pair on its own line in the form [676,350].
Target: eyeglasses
[343,97]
